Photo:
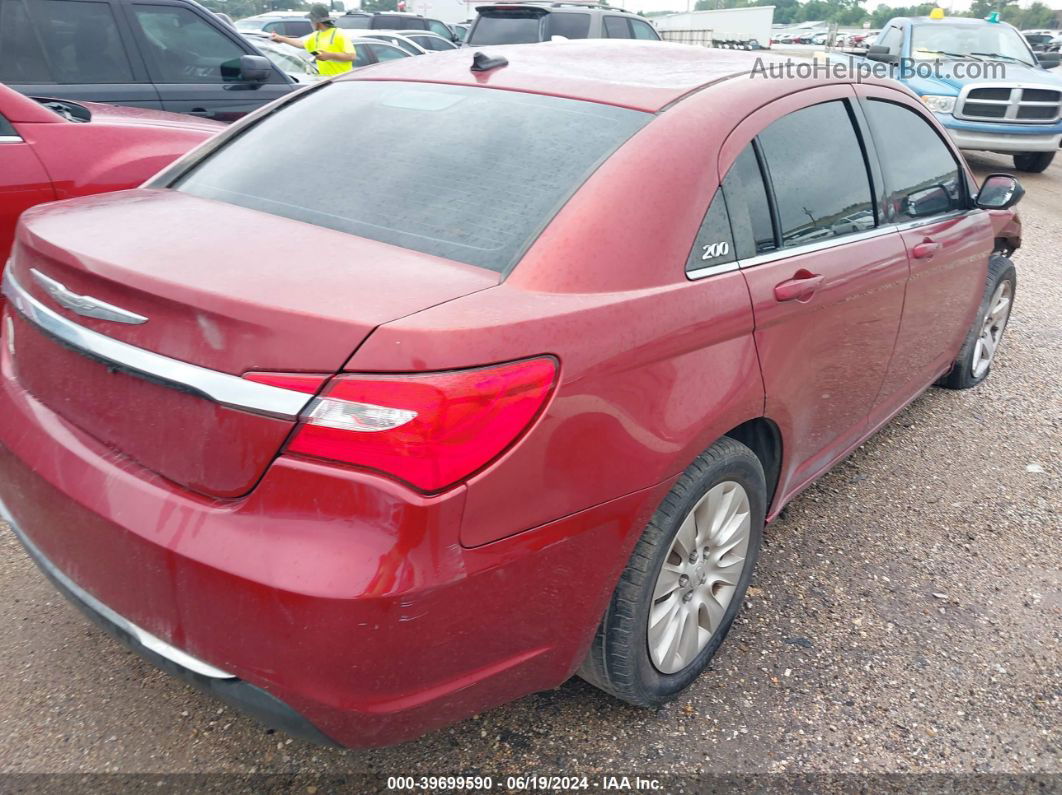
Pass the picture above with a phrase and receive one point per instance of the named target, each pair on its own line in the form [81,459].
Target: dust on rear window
[470,174]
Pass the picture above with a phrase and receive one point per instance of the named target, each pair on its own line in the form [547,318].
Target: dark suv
[522,23]
[394,20]
[165,54]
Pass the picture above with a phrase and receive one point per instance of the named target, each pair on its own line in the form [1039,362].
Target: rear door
[72,49]
[826,276]
[948,241]
[194,61]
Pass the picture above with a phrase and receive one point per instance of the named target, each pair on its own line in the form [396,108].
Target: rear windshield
[470,174]
[353,22]
[508,26]
[398,22]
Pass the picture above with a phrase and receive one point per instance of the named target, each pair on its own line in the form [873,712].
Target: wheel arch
[763,436]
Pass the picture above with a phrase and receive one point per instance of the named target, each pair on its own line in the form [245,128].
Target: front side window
[184,48]
[921,174]
[571,26]
[893,39]
[84,45]
[461,172]
[714,244]
[750,213]
[643,30]
[398,22]
[819,174]
[383,52]
[617,28]
[21,50]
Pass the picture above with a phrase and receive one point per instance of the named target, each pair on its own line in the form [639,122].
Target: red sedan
[501,386]
[57,149]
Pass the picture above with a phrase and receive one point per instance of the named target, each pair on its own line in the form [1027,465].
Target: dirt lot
[905,616]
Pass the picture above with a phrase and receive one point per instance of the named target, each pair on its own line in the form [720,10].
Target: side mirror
[255,68]
[879,52]
[931,201]
[999,192]
[1048,60]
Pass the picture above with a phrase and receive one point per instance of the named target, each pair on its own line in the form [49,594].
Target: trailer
[729,28]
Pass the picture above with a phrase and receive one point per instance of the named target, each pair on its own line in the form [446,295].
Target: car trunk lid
[225,292]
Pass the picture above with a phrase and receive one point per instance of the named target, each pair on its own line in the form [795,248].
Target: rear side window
[353,22]
[298,27]
[461,172]
[6,128]
[185,48]
[921,174]
[505,26]
[750,214]
[571,26]
[714,245]
[21,49]
[617,28]
[439,27]
[83,43]
[818,173]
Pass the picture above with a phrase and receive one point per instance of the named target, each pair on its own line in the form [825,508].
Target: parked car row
[422,472]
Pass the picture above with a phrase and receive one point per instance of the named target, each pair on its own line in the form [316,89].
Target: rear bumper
[341,596]
[245,697]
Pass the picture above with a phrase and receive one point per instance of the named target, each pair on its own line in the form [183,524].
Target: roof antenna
[481,62]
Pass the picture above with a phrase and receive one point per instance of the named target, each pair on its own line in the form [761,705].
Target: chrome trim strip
[142,636]
[11,139]
[85,305]
[227,390]
[833,242]
[712,270]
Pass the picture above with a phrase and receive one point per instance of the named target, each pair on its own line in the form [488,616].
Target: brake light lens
[431,430]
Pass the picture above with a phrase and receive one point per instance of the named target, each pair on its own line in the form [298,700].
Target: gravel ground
[905,617]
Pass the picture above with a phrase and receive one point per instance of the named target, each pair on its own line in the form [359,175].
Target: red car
[501,386]
[57,149]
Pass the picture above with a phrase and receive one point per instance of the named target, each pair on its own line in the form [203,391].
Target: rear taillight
[430,430]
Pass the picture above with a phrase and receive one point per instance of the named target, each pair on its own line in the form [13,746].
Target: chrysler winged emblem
[86,305]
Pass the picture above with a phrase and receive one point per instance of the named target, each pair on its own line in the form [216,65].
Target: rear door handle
[926,249]
[800,288]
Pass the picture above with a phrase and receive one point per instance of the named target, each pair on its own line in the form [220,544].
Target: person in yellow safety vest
[334,52]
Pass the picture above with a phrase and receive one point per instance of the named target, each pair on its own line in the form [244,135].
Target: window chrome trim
[11,139]
[142,636]
[821,245]
[222,388]
[833,242]
[712,270]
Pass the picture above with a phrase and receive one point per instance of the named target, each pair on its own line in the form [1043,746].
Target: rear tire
[707,531]
[1033,162]
[978,351]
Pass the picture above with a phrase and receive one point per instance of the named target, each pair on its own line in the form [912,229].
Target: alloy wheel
[992,325]
[699,577]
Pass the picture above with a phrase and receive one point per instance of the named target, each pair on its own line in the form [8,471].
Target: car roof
[632,74]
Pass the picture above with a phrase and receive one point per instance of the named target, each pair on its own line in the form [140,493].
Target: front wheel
[685,581]
[1033,162]
[982,341]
